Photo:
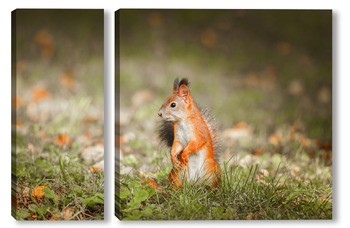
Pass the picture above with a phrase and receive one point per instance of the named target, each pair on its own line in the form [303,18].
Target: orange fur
[192,151]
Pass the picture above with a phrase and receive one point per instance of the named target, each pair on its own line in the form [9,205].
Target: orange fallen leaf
[19,123]
[38,193]
[249,217]
[326,146]
[62,140]
[39,93]
[89,119]
[304,141]
[68,82]
[310,153]
[16,102]
[259,151]
[276,138]
[150,182]
[98,141]
[240,125]
[45,40]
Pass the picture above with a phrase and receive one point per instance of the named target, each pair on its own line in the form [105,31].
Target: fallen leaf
[93,154]
[98,167]
[19,123]
[265,172]
[39,93]
[16,102]
[276,138]
[249,217]
[295,171]
[259,151]
[67,214]
[89,119]
[68,82]
[150,182]
[240,125]
[45,40]
[305,141]
[62,140]
[38,193]
[31,148]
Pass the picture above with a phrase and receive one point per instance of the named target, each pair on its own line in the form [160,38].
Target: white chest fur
[195,165]
[183,133]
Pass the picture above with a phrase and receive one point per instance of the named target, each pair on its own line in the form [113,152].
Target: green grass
[244,193]
[70,185]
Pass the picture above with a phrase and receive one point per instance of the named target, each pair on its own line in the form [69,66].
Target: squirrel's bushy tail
[166,131]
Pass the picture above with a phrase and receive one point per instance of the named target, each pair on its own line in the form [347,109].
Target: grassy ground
[268,80]
[57,104]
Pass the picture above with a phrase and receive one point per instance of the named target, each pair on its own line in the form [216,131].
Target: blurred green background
[59,52]
[269,68]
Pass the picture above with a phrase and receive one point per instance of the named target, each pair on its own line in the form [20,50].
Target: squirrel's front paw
[176,162]
[184,158]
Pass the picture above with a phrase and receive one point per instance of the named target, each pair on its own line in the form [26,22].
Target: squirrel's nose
[160,114]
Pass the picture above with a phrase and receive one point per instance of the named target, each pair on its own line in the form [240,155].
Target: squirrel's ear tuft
[176,86]
[184,81]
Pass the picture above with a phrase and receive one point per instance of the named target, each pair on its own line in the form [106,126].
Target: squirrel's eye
[173,105]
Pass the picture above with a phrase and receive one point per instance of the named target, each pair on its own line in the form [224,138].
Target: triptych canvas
[219,114]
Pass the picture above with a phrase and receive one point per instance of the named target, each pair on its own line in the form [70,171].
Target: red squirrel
[192,135]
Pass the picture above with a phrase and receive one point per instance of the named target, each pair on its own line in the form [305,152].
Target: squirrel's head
[176,107]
